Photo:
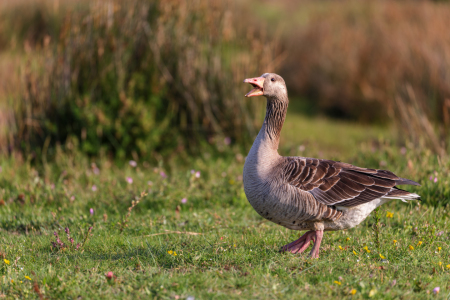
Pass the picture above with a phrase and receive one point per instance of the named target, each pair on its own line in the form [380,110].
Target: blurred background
[160,79]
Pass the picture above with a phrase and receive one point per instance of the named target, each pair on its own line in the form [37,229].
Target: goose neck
[275,116]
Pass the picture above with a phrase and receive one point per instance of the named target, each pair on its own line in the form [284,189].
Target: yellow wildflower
[234,245]
[170,252]
[382,257]
[337,282]
[389,215]
[419,243]
[12,281]
[395,242]
[6,261]
[28,277]
[340,248]
[440,264]
[411,247]
[439,249]
[174,253]
[352,291]
[367,249]
[448,266]
[347,239]
[354,252]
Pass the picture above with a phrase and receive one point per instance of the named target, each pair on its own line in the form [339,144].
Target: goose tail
[400,194]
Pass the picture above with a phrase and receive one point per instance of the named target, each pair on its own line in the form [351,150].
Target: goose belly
[277,205]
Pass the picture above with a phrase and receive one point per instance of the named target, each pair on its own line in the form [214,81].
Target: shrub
[375,61]
[141,77]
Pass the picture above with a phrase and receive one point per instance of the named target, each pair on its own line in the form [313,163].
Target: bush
[375,61]
[141,77]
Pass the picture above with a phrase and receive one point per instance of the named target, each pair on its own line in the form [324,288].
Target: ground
[192,232]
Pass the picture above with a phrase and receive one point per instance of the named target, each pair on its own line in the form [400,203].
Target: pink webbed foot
[303,243]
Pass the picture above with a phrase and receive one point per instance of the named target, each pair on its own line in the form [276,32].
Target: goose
[302,193]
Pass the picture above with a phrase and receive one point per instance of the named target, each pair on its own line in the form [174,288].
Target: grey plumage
[308,193]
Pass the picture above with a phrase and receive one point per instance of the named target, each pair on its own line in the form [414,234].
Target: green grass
[236,255]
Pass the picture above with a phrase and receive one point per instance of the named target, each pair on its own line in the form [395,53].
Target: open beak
[258,86]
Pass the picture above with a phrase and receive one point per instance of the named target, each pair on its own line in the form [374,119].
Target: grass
[128,87]
[235,254]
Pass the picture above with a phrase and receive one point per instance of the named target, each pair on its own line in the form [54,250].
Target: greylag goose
[302,193]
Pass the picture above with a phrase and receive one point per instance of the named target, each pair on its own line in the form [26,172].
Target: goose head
[269,85]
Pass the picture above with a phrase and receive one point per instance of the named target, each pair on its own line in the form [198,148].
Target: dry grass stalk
[376,60]
[177,232]
[171,66]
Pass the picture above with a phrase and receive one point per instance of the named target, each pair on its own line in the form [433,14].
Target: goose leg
[318,239]
[300,245]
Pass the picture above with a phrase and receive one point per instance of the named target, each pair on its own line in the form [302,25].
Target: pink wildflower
[403,150]
[227,140]
[91,211]
[436,290]
[197,174]
[184,200]
[94,188]
[109,275]
[133,163]
[435,179]
[163,175]
[129,180]
[192,171]
[439,233]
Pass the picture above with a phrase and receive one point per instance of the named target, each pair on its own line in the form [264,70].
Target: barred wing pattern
[342,184]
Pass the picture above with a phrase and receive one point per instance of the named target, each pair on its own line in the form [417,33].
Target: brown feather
[332,171]
[353,185]
[320,172]
[398,192]
[328,183]
[384,182]
[303,175]
[386,174]
[312,172]
[337,183]
[379,189]
[351,192]
[357,177]
[343,195]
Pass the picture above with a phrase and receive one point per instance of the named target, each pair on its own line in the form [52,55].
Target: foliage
[120,77]
[236,253]
[373,62]
[142,77]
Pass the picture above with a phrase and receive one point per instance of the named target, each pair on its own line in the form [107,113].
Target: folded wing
[337,183]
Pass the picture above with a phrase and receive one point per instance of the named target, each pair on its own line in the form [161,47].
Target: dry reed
[140,77]
[375,61]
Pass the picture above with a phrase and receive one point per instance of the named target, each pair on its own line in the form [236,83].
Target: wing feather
[337,183]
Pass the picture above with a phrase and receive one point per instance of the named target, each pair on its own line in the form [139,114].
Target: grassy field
[192,232]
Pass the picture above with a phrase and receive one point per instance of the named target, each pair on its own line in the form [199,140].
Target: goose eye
[273,79]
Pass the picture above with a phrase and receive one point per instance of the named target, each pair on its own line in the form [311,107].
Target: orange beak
[258,84]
